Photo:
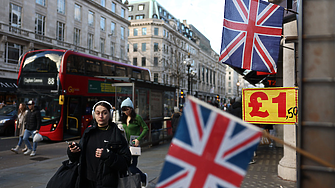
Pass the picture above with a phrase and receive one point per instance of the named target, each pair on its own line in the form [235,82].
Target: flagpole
[291,11]
[305,153]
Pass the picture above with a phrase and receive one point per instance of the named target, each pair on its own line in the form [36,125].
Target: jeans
[20,141]
[134,170]
[26,135]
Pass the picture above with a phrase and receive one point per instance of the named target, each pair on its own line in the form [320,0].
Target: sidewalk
[36,174]
[263,173]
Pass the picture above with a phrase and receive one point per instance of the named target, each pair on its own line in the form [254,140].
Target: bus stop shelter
[153,101]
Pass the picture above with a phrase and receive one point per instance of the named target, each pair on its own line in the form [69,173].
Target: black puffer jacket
[115,158]
[33,119]
[236,108]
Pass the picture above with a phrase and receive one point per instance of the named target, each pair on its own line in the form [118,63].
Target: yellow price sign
[277,105]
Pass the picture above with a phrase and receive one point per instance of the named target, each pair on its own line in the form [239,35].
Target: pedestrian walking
[236,107]
[20,126]
[224,107]
[269,128]
[102,152]
[32,126]
[175,119]
[132,124]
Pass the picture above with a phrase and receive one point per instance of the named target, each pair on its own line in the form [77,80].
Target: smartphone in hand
[70,144]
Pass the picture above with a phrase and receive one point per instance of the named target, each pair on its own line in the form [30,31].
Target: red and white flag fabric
[211,148]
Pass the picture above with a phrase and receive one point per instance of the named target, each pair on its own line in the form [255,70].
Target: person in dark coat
[236,107]
[32,126]
[175,119]
[102,151]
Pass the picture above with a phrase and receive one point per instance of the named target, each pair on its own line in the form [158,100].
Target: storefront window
[141,104]
[168,103]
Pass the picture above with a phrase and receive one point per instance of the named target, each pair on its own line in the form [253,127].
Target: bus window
[75,65]
[108,69]
[129,72]
[146,75]
[121,71]
[42,61]
[93,68]
[136,74]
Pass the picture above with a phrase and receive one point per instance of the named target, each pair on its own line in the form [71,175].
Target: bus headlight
[53,127]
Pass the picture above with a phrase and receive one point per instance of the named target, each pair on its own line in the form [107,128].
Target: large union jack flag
[211,148]
[251,35]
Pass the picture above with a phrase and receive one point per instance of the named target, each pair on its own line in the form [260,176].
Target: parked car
[8,115]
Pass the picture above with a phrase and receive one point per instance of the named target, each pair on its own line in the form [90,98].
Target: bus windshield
[47,104]
[42,61]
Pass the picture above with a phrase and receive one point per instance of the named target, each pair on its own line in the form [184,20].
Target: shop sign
[270,105]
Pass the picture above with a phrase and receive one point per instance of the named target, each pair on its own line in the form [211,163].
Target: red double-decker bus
[66,84]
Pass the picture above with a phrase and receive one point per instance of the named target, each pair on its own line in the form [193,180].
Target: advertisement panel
[270,105]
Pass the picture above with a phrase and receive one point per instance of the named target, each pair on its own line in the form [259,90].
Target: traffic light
[218,97]
[182,94]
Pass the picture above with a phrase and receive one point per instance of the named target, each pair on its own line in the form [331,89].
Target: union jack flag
[251,35]
[211,148]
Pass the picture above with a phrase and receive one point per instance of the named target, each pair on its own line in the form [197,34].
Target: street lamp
[187,62]
[238,88]
[193,74]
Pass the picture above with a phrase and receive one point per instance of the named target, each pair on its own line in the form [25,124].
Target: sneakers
[253,161]
[15,150]
[27,152]
[24,149]
[146,181]
[33,153]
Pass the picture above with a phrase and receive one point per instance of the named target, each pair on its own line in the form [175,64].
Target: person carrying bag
[102,153]
[132,124]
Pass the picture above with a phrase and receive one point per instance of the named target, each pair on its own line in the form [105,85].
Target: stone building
[232,78]
[96,27]
[175,52]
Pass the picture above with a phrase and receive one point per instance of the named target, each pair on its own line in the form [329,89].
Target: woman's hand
[98,152]
[74,148]
[137,143]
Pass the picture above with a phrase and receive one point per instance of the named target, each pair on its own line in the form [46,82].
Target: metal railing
[159,131]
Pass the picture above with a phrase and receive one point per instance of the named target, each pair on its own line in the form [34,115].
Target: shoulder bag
[65,177]
[130,180]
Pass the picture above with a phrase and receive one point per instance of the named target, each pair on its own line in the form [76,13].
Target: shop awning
[7,84]
[250,76]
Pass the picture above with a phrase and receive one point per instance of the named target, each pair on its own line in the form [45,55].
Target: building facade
[96,27]
[176,53]
[232,78]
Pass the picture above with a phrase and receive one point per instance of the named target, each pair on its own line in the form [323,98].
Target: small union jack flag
[251,35]
[211,148]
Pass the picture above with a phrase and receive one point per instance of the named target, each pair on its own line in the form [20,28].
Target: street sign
[270,105]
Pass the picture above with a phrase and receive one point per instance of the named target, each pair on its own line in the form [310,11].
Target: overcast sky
[205,15]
